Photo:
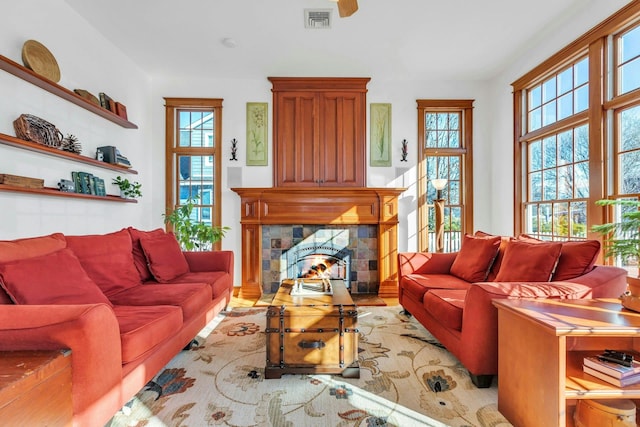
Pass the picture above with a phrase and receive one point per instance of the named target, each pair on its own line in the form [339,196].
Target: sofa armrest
[210,261]
[90,331]
[605,281]
[425,262]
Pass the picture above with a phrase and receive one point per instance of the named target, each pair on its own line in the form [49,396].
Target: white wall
[86,61]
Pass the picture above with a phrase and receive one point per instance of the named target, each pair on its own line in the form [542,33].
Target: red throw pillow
[495,268]
[576,259]
[164,256]
[138,254]
[55,278]
[529,262]
[107,259]
[475,258]
[13,250]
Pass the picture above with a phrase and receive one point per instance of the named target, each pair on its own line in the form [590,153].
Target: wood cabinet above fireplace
[319,131]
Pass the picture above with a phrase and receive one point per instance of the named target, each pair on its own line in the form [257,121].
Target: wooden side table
[541,345]
[35,388]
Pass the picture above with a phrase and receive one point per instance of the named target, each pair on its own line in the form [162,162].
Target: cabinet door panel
[294,156]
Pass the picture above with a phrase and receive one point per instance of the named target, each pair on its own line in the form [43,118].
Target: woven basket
[34,129]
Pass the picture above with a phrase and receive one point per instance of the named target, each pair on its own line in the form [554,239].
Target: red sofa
[451,293]
[125,303]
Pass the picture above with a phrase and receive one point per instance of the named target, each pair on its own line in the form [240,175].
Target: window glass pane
[630,129]
[565,106]
[581,98]
[454,192]
[630,45]
[535,119]
[566,147]
[442,139]
[454,123]
[535,97]
[535,186]
[431,138]
[629,176]
[549,90]
[545,218]
[581,72]
[630,76]
[442,119]
[565,182]
[581,143]
[549,147]
[578,219]
[532,218]
[535,156]
[549,184]
[565,81]
[549,113]
[581,171]
[561,219]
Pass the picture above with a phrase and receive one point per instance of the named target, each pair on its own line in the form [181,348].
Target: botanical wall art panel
[380,135]
[257,137]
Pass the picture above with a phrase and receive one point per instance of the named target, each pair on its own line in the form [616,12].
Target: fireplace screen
[321,262]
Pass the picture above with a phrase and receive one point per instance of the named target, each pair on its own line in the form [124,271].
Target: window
[193,156]
[444,128]
[577,123]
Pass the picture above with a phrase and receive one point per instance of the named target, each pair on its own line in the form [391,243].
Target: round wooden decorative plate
[37,58]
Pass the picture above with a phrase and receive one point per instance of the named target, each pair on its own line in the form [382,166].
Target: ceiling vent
[317,18]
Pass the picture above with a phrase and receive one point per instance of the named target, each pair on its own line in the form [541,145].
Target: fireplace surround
[318,206]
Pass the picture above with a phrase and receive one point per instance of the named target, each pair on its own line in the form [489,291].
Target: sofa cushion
[108,260]
[416,285]
[576,258]
[144,327]
[139,259]
[497,262]
[447,306]
[475,257]
[164,256]
[192,298]
[529,262]
[219,281]
[55,278]
[12,250]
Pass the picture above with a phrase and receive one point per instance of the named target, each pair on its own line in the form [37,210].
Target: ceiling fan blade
[347,7]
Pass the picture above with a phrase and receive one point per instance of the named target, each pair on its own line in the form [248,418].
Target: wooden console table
[541,345]
[35,388]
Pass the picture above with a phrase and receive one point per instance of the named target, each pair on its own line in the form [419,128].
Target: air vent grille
[317,18]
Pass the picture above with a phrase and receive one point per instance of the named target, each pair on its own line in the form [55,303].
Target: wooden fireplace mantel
[348,206]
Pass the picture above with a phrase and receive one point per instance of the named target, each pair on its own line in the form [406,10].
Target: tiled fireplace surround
[275,219]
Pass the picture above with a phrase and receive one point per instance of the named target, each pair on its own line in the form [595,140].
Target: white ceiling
[388,39]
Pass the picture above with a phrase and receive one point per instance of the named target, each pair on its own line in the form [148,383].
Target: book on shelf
[611,368]
[620,382]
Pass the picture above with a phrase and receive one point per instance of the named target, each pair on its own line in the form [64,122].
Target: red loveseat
[125,303]
[451,293]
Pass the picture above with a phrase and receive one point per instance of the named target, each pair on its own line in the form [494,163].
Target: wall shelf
[32,146]
[27,75]
[48,191]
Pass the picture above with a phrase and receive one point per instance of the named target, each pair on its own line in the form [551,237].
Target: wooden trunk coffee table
[312,332]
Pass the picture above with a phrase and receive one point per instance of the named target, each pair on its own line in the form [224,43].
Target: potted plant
[191,234]
[622,239]
[128,189]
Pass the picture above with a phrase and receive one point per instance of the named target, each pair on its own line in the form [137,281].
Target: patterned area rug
[406,379]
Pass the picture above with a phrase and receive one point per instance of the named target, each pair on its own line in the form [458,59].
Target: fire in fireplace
[323,261]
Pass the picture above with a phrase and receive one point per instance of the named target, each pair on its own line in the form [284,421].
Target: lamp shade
[439,183]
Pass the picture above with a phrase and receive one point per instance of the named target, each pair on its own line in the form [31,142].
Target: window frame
[173,151]
[465,108]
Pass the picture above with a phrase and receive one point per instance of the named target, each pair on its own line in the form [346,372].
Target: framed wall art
[380,120]
[257,133]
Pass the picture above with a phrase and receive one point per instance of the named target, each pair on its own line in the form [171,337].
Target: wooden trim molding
[277,205]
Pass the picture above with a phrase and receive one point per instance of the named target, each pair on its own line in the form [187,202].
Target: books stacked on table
[613,369]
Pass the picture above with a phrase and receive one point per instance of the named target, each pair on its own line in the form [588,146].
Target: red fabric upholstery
[139,258]
[55,278]
[219,281]
[497,262]
[475,258]
[108,260]
[576,259]
[447,306]
[529,262]
[417,285]
[191,298]
[144,327]
[12,250]
[164,256]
